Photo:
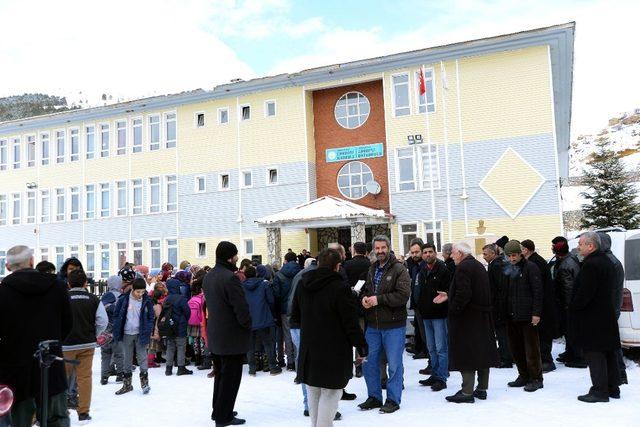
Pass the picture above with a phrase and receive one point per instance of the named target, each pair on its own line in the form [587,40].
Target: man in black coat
[524,311]
[472,345]
[498,299]
[33,308]
[228,331]
[548,328]
[594,319]
[326,312]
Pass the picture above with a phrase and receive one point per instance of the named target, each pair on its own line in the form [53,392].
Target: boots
[151,361]
[126,386]
[119,378]
[168,371]
[258,361]
[144,382]
[183,371]
[265,363]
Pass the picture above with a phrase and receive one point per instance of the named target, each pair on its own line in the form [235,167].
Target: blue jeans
[437,335]
[295,337]
[391,342]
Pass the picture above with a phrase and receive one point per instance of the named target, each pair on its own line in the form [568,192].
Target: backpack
[167,326]
[195,304]
[109,301]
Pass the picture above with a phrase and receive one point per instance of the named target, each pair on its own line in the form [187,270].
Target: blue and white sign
[345,154]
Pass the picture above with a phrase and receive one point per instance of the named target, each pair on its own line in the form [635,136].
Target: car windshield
[632,258]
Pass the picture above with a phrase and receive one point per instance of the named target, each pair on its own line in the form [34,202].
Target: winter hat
[142,269]
[226,250]
[261,271]
[154,272]
[183,276]
[139,283]
[127,274]
[193,269]
[184,265]
[114,283]
[512,247]
[528,244]
[560,246]
[502,241]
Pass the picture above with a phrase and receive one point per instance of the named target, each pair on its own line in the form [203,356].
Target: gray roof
[560,38]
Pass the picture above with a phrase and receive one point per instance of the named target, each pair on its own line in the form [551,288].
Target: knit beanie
[502,241]
[261,271]
[528,244]
[512,247]
[226,250]
[560,246]
[184,265]
[114,283]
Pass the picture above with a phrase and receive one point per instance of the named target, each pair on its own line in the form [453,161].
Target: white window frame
[244,246]
[132,200]
[437,182]
[393,94]
[154,146]
[168,247]
[240,112]
[196,124]
[104,274]
[242,181]
[105,213]
[415,180]
[89,154]
[101,133]
[220,110]
[220,187]
[347,115]
[198,254]
[430,85]
[120,248]
[75,193]
[170,180]
[60,216]
[57,257]
[30,150]
[4,155]
[134,126]
[17,160]
[91,212]
[152,209]
[4,210]
[16,220]
[74,253]
[349,174]
[166,120]
[121,150]
[60,157]
[44,253]
[401,235]
[45,141]
[44,194]
[74,157]
[151,249]
[137,246]
[119,199]
[266,108]
[196,184]
[439,229]
[268,176]
[92,251]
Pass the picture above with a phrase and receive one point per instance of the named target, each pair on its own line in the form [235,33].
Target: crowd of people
[327,318]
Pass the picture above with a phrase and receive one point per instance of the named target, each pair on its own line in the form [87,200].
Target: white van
[625,245]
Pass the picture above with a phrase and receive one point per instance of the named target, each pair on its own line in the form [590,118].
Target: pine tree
[610,192]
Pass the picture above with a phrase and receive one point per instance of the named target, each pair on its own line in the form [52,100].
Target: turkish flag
[421,84]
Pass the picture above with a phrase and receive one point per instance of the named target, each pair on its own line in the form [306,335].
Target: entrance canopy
[327,211]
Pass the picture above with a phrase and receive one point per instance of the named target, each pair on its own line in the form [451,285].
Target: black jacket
[498,286]
[592,311]
[564,272]
[356,269]
[472,343]
[524,293]
[619,270]
[451,265]
[229,323]
[329,329]
[428,283]
[33,308]
[84,306]
[393,293]
[548,327]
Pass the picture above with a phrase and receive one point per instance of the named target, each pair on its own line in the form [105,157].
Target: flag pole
[430,151]
[445,87]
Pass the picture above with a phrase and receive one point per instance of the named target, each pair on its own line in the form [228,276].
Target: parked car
[625,245]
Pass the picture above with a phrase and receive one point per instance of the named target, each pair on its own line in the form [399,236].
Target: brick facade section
[329,134]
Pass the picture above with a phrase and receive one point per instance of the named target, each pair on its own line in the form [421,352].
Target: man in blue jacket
[282,289]
[180,314]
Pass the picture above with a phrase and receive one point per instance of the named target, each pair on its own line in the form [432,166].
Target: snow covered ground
[277,401]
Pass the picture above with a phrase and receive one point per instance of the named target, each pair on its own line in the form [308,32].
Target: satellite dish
[373,187]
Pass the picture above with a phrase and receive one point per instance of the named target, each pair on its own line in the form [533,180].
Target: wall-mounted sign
[345,154]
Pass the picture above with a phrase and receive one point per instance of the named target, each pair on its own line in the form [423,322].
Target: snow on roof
[327,210]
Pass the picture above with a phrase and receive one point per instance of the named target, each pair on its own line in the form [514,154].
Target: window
[3,154]
[44,146]
[136,124]
[137,252]
[104,140]
[31,207]
[201,184]
[90,141]
[170,129]
[408,232]
[202,249]
[171,193]
[155,253]
[406,172]
[105,200]
[59,251]
[31,151]
[223,116]
[248,246]
[224,181]
[247,179]
[73,251]
[427,99]
[74,203]
[433,235]
[352,110]
[90,263]
[154,194]
[154,133]
[430,166]
[16,153]
[45,206]
[401,103]
[121,195]
[44,254]
[270,108]
[60,208]
[353,178]
[272,176]
[90,198]
[199,120]
[245,111]
[3,209]
[60,142]
[121,137]
[104,260]
[136,197]
[16,213]
[121,248]
[3,261]
[172,251]
[75,144]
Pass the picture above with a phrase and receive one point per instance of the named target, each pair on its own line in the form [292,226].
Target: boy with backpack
[111,353]
[172,325]
[133,324]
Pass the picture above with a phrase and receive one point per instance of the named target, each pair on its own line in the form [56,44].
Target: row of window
[246,180]
[244,114]
[91,141]
[90,201]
